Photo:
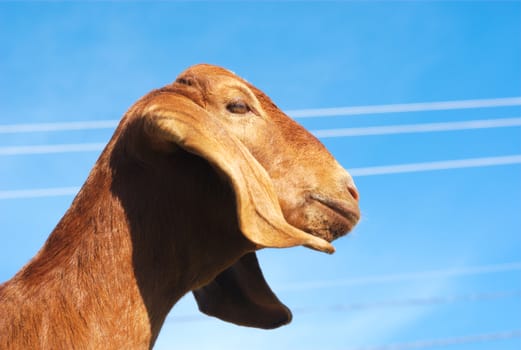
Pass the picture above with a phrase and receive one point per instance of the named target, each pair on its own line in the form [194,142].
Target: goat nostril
[353,191]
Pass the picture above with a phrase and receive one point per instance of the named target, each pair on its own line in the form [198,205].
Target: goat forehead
[214,81]
[210,75]
[208,70]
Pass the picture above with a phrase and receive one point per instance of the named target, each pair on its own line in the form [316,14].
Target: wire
[47,149]
[357,172]
[423,344]
[418,128]
[431,166]
[323,133]
[66,126]
[426,301]
[297,113]
[401,277]
[39,192]
[398,303]
[405,107]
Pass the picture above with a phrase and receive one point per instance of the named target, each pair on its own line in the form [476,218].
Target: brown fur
[156,219]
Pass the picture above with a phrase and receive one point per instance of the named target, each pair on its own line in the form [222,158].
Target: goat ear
[241,295]
[176,119]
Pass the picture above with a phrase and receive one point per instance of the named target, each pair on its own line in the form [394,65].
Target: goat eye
[238,107]
[185,81]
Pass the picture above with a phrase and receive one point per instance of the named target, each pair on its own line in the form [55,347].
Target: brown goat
[198,176]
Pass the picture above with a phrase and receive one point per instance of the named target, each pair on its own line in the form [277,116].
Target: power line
[65,126]
[298,113]
[431,166]
[39,192]
[405,107]
[418,128]
[411,302]
[402,277]
[424,344]
[357,172]
[397,303]
[48,149]
[323,133]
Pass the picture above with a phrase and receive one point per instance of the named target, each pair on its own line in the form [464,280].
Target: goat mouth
[344,214]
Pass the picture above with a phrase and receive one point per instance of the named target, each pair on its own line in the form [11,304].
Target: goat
[198,175]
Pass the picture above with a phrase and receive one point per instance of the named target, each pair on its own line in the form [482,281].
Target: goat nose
[349,183]
[353,191]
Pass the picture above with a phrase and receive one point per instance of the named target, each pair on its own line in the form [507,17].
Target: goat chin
[198,176]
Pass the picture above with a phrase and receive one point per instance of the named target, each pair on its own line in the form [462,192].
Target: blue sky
[437,254]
